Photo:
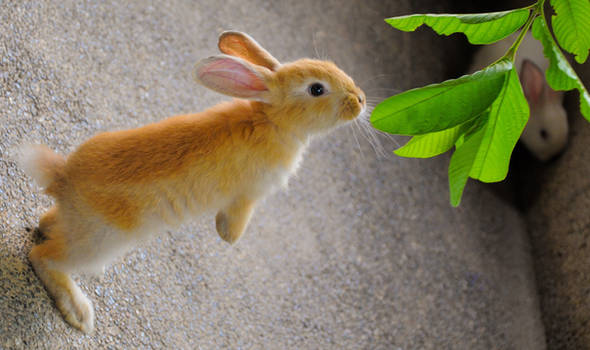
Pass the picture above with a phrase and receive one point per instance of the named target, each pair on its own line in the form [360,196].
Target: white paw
[77,310]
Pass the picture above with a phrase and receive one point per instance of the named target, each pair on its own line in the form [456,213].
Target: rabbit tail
[43,165]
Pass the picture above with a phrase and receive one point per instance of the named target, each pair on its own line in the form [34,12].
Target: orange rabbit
[121,187]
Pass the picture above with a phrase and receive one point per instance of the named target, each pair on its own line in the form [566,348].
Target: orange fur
[70,301]
[242,45]
[53,248]
[121,174]
[121,186]
[48,220]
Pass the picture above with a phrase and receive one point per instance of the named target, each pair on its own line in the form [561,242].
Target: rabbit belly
[203,192]
[209,195]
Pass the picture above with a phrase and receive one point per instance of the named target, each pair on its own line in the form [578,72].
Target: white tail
[40,163]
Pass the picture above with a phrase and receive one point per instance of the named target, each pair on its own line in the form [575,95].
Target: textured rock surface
[560,231]
[360,252]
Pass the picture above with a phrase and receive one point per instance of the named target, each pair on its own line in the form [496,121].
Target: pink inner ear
[232,77]
[533,81]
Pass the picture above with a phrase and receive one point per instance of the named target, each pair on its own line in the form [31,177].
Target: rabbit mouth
[351,111]
[353,106]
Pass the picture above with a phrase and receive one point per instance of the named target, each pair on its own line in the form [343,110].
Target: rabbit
[121,187]
[546,132]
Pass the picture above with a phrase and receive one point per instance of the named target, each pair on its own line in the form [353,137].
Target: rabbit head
[546,132]
[306,96]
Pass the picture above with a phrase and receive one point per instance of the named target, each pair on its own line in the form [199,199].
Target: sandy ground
[361,252]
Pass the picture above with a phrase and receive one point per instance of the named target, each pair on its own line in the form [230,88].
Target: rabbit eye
[316,89]
[544,134]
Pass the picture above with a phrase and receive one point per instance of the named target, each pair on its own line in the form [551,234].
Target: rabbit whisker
[369,135]
[353,129]
[369,127]
[319,55]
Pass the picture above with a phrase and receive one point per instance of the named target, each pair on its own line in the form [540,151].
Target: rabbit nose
[360,99]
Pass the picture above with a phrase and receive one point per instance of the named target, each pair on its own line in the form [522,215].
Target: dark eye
[317,89]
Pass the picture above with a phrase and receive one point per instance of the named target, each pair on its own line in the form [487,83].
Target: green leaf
[462,161]
[433,144]
[484,153]
[571,25]
[560,74]
[441,106]
[480,28]
[507,118]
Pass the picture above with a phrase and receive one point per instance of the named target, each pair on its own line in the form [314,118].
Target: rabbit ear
[532,80]
[242,45]
[231,76]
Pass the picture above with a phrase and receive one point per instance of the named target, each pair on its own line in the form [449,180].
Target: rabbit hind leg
[47,221]
[46,258]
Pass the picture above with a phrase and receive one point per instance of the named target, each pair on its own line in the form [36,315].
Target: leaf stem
[536,10]
[535,5]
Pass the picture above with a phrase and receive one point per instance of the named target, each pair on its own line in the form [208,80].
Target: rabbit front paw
[221,226]
[232,221]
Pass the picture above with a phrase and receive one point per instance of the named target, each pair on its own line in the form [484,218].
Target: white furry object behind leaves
[546,132]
